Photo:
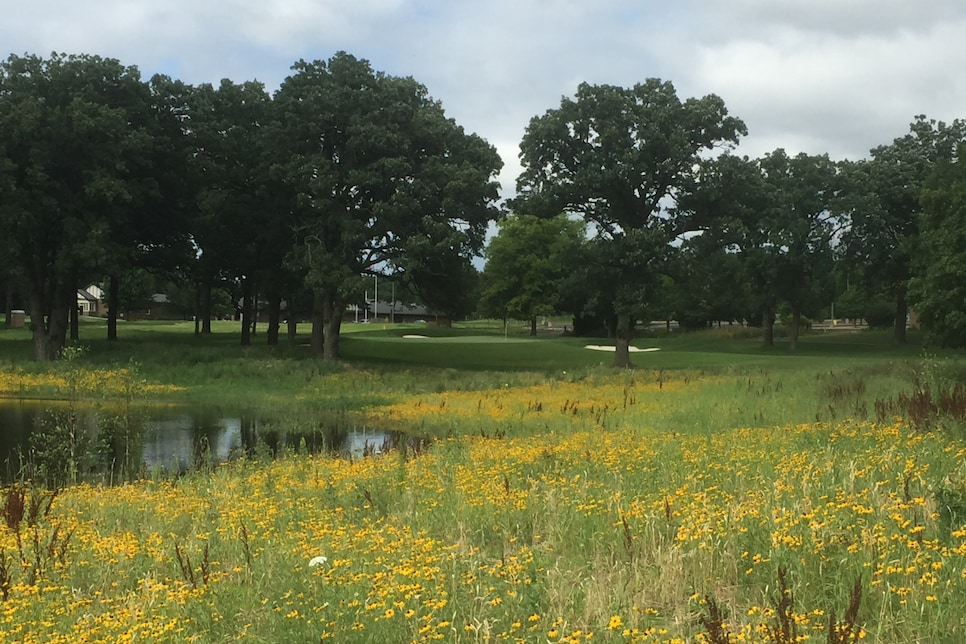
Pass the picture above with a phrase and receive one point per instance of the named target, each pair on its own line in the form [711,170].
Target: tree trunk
[292,321]
[246,314]
[624,333]
[113,307]
[274,318]
[8,304]
[768,325]
[254,310]
[206,310]
[49,319]
[198,308]
[318,326]
[74,321]
[902,312]
[332,308]
[533,325]
[794,331]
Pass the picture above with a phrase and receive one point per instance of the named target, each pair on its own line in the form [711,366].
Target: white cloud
[819,76]
[840,95]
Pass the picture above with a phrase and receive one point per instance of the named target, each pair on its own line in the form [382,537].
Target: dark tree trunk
[274,318]
[198,308]
[206,310]
[332,308]
[902,312]
[318,326]
[793,332]
[292,321]
[113,307]
[246,313]
[49,319]
[8,305]
[624,333]
[254,309]
[74,321]
[533,325]
[768,325]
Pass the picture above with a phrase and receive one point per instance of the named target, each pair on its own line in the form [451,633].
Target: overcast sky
[816,76]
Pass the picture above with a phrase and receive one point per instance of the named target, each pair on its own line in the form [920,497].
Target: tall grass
[625,532]
[720,495]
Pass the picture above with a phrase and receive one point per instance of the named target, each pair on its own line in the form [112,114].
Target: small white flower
[318,561]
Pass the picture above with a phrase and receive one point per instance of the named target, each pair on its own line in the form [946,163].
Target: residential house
[90,301]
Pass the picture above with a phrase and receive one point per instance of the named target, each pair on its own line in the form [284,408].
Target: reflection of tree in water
[328,438]
[112,445]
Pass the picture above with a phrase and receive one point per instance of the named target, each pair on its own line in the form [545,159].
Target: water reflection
[178,443]
[136,441]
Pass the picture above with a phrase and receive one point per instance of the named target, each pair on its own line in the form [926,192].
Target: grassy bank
[720,492]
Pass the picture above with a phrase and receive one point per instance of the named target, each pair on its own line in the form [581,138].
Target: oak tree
[380,174]
[616,156]
[69,138]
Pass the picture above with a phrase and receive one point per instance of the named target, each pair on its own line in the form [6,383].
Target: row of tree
[631,204]
[341,173]
[679,227]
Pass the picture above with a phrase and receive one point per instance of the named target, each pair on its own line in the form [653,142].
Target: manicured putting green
[460,339]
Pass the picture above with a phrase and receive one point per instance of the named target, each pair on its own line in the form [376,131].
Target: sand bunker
[603,347]
[417,337]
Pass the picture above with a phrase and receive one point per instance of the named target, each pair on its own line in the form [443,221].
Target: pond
[54,439]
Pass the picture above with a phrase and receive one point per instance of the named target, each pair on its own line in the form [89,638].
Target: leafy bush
[880,315]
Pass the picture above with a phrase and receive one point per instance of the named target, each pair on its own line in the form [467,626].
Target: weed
[187,569]
[39,545]
[246,547]
[785,628]
[5,575]
[714,623]
[848,631]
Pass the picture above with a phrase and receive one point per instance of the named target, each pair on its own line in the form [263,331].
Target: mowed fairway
[719,492]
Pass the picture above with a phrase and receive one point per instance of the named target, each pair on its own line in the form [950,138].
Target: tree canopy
[616,156]
[343,172]
[939,289]
[74,130]
[385,181]
[526,261]
[629,206]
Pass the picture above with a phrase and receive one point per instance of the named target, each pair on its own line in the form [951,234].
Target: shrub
[880,315]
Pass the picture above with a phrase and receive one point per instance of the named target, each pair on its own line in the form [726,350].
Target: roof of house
[386,308]
[85,295]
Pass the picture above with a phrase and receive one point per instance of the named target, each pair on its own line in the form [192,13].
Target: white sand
[601,347]
[418,337]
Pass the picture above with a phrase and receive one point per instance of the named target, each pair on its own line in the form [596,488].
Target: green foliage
[886,199]
[137,287]
[880,315]
[526,263]
[853,303]
[951,498]
[802,223]
[80,131]
[612,155]
[939,289]
[384,181]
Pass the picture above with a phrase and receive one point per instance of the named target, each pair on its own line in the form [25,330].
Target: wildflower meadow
[640,506]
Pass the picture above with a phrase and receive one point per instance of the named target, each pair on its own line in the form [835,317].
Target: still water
[170,439]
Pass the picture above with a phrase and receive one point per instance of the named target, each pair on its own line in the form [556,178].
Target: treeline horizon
[632,204]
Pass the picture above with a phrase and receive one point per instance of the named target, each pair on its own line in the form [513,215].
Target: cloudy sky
[816,76]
